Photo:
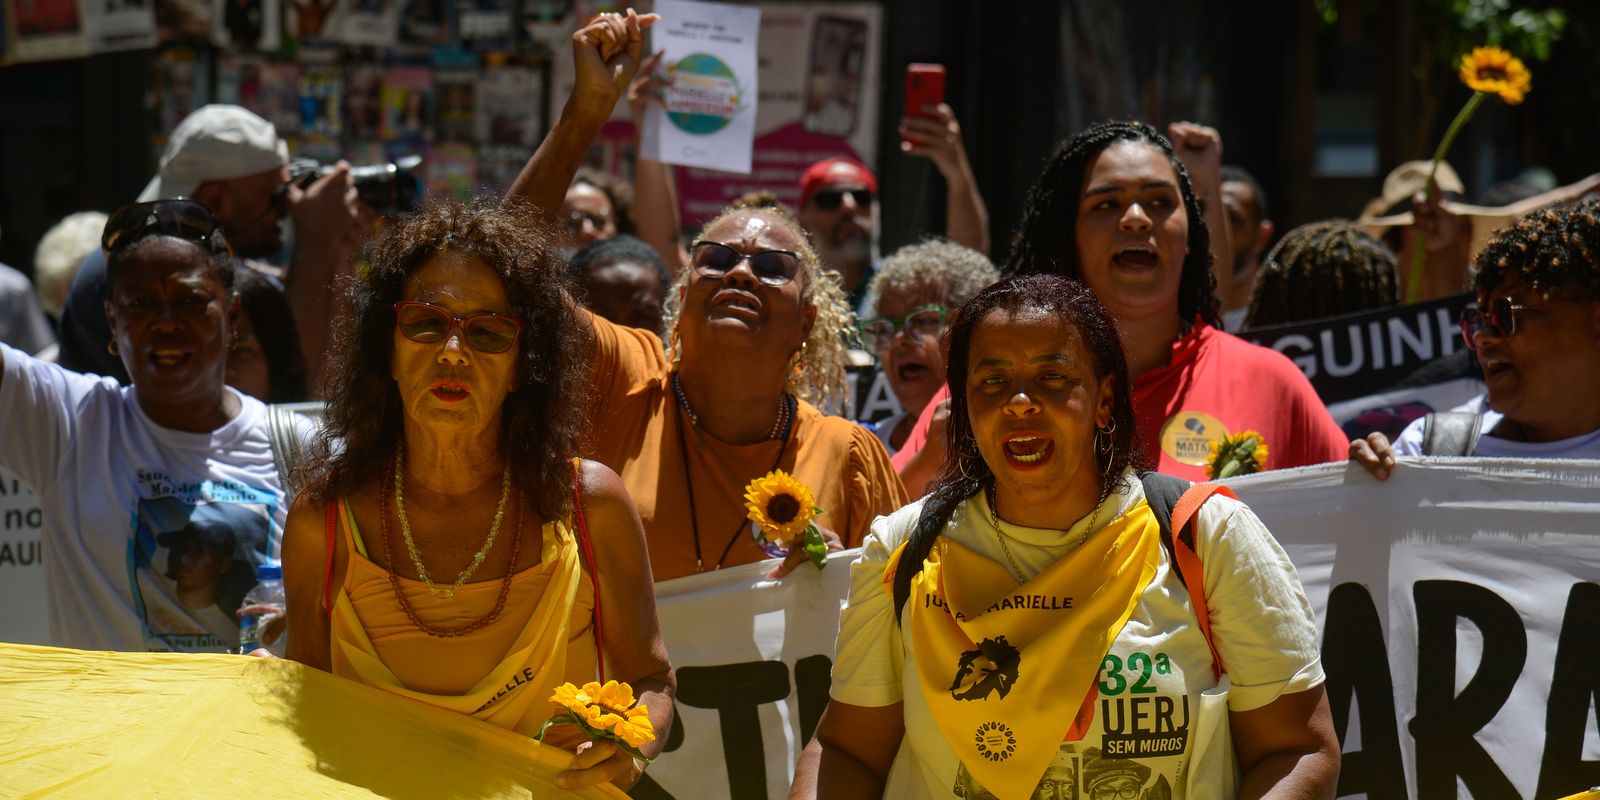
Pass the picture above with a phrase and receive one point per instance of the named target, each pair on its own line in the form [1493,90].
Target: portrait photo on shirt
[201,555]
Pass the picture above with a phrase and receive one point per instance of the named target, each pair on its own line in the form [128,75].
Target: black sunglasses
[771,267]
[180,217]
[830,199]
[426,323]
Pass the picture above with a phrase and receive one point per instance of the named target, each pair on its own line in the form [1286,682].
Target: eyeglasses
[771,267]
[485,332]
[925,322]
[1500,320]
[830,199]
[180,217]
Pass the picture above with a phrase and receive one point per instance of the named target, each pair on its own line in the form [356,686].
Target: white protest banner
[753,659]
[710,116]
[1458,603]
[24,614]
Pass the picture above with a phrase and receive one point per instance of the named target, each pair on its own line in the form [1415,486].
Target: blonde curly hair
[817,375]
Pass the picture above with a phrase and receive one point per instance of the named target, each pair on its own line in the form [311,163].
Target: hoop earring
[111,347]
[801,360]
[1103,443]
[1111,458]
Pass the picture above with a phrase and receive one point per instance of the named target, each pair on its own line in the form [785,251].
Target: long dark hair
[273,322]
[544,414]
[965,473]
[1046,240]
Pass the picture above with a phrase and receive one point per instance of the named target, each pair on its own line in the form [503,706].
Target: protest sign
[710,55]
[1361,354]
[23,612]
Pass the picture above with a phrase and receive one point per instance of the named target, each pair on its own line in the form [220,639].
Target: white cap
[215,143]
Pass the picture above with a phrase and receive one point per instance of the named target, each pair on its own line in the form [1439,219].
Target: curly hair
[1549,248]
[1323,269]
[956,273]
[616,190]
[1046,238]
[819,376]
[965,473]
[544,413]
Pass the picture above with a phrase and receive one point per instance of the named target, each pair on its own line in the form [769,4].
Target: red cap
[831,171]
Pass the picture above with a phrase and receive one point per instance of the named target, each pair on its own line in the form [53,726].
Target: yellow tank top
[502,673]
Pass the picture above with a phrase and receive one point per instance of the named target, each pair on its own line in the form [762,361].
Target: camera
[391,188]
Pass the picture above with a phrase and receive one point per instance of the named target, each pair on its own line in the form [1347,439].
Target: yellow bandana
[1006,669]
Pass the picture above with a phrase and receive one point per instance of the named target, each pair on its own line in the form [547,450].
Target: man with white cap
[234,162]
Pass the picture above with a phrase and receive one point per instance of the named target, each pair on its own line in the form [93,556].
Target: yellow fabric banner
[1005,668]
[132,725]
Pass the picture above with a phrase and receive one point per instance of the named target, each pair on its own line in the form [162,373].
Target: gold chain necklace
[411,545]
[994,520]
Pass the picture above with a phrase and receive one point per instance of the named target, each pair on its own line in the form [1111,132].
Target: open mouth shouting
[169,359]
[1135,257]
[1028,450]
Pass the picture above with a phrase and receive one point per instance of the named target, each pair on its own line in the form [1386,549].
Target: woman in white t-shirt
[160,498]
[1021,632]
[1536,330]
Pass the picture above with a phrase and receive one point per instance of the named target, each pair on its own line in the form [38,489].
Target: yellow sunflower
[1242,453]
[1494,71]
[635,729]
[781,505]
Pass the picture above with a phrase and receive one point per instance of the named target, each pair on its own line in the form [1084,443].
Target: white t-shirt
[1151,679]
[1584,445]
[152,536]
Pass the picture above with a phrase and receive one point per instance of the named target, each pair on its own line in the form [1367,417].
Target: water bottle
[268,591]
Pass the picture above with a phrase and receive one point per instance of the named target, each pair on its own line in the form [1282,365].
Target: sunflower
[1494,71]
[1243,453]
[604,711]
[781,505]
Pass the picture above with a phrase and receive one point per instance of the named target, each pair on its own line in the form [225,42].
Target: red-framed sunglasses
[1500,319]
[485,332]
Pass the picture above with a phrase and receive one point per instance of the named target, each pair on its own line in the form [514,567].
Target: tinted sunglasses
[1500,319]
[830,199]
[179,217]
[771,267]
[925,322]
[485,332]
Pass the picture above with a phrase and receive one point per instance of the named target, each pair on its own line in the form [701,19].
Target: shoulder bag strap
[1185,521]
[1451,433]
[285,444]
[327,563]
[594,567]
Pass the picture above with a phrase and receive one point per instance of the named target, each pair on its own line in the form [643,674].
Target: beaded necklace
[400,595]
[787,408]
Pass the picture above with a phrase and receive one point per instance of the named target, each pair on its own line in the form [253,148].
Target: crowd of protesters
[560,369]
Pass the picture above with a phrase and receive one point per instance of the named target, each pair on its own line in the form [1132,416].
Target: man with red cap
[837,200]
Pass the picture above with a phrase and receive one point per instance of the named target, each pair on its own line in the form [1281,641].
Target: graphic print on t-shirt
[193,556]
[1086,775]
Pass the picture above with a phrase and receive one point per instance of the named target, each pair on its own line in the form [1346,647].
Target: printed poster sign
[1361,354]
[710,54]
[113,25]
[45,30]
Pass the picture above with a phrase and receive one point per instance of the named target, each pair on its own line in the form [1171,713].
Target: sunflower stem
[1419,245]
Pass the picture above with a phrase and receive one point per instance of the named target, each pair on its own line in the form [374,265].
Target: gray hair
[956,273]
[62,249]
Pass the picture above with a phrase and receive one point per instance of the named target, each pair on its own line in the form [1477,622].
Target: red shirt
[1215,384]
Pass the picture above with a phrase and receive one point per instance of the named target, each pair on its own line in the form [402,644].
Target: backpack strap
[285,441]
[1175,503]
[1451,433]
[594,568]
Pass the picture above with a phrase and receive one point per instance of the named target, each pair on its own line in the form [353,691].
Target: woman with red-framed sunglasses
[1536,331]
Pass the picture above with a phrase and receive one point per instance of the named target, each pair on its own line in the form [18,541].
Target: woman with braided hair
[1116,209]
[1016,630]
[1324,269]
[1536,330]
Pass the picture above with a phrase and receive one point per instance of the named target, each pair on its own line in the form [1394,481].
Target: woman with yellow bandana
[1021,632]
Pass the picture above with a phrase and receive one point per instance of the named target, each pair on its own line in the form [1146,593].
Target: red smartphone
[924,87]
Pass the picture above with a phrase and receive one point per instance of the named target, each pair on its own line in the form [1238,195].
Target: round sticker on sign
[1186,436]
[705,94]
